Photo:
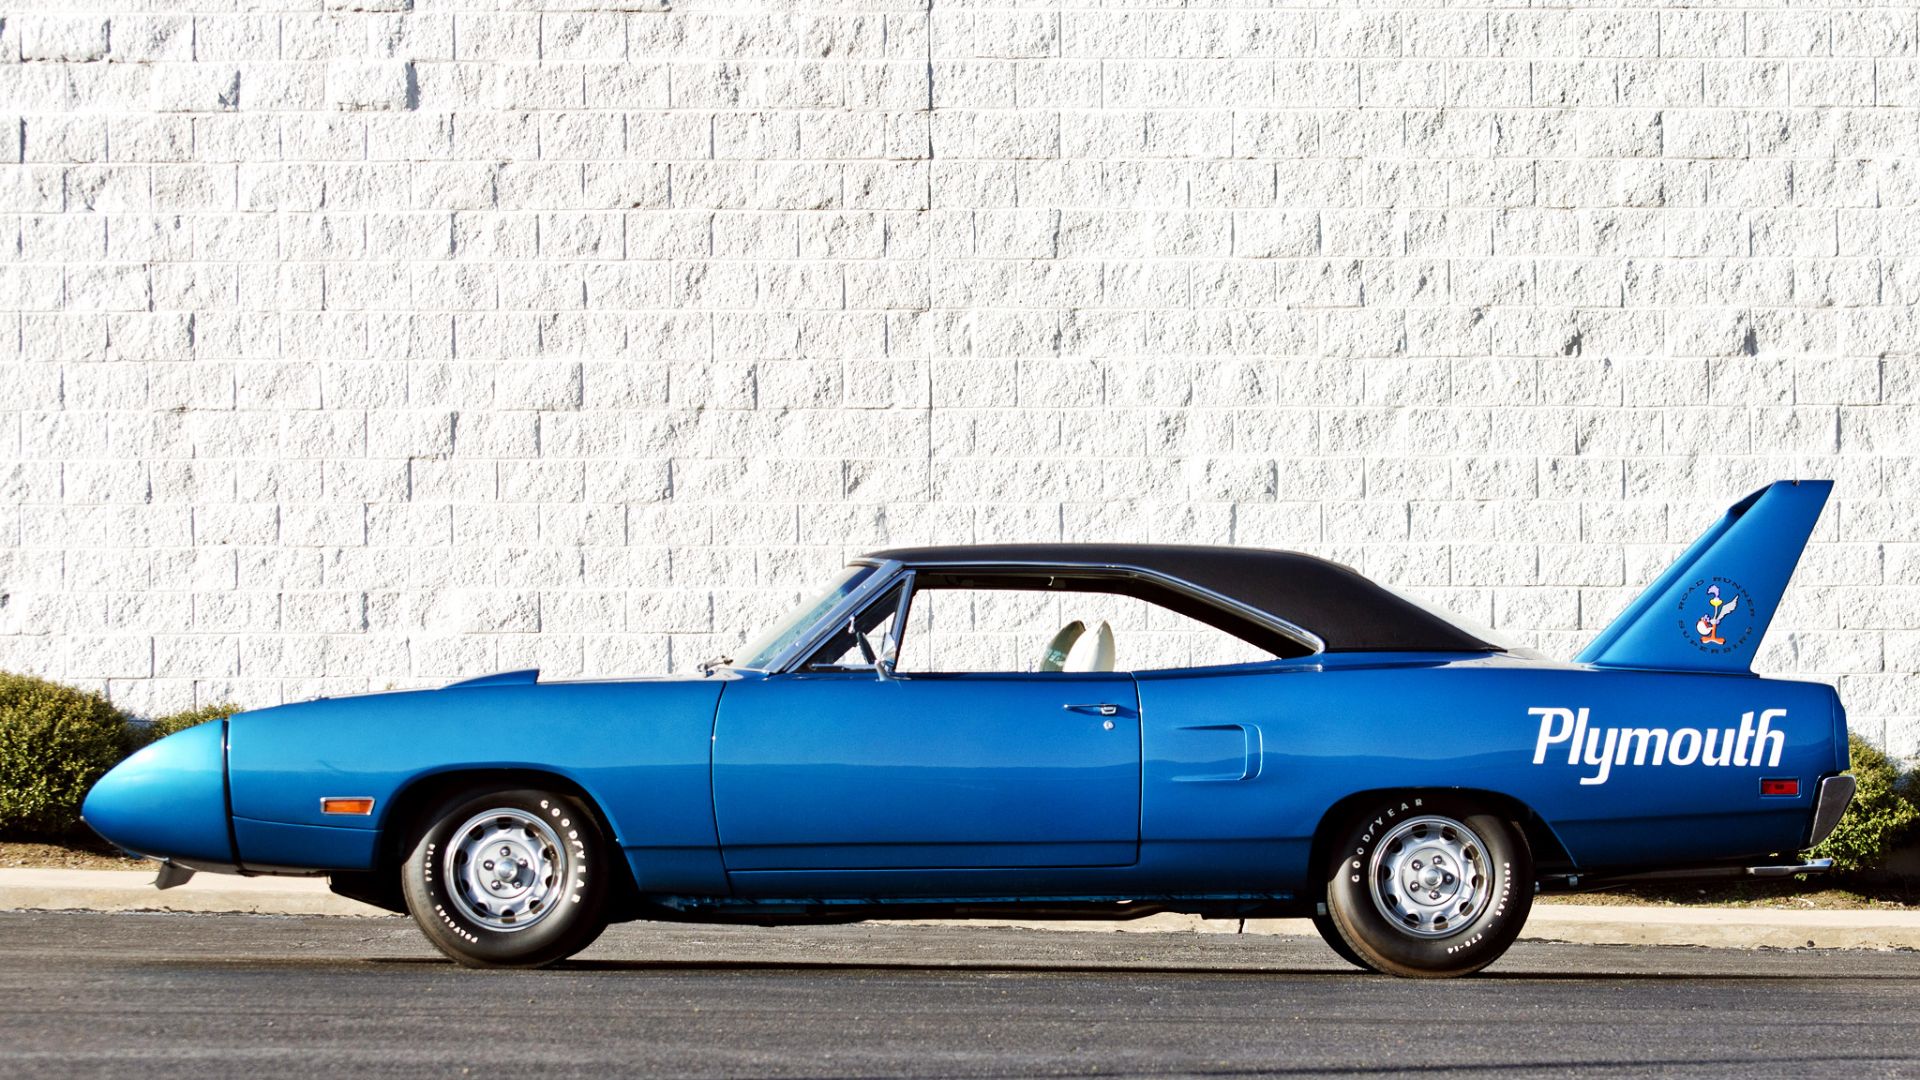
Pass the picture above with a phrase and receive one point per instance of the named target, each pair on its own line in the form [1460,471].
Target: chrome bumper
[1811,866]
[1828,805]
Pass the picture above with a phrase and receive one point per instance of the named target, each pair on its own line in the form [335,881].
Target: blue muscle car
[1229,732]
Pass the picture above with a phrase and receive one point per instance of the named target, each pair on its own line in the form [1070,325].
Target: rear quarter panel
[639,749]
[1329,729]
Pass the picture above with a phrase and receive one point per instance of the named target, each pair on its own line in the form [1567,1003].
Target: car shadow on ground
[1725,1066]
[589,966]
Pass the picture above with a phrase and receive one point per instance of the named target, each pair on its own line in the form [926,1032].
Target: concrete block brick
[1788,33]
[67,38]
[384,85]
[319,36]
[238,36]
[583,35]
[1845,82]
[194,88]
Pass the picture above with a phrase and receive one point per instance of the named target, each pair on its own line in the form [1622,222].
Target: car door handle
[1101,709]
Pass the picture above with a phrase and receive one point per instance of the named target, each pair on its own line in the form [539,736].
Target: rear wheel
[509,877]
[1429,886]
[1330,934]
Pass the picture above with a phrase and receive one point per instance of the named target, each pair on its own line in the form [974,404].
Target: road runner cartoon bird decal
[1709,625]
[1750,554]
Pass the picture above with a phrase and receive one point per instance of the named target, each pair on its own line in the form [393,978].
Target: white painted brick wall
[379,342]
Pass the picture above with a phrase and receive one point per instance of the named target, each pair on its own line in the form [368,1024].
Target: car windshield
[761,651]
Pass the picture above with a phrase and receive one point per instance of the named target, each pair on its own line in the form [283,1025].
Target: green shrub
[162,726]
[55,741]
[1882,814]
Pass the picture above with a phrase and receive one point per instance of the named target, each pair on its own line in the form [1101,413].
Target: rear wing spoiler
[1710,609]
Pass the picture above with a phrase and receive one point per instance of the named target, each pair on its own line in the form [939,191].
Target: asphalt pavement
[1592,924]
[152,995]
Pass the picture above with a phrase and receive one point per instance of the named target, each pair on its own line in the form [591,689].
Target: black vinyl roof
[1345,610]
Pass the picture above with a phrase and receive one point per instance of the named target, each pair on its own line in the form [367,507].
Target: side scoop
[169,800]
[1709,610]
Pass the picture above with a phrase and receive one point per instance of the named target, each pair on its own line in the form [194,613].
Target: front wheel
[509,877]
[1429,886]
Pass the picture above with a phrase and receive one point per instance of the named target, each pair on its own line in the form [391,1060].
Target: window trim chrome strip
[885,571]
[890,571]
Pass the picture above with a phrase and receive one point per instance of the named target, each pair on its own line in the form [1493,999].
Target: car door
[845,770]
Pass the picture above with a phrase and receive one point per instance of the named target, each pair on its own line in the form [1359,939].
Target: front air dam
[169,801]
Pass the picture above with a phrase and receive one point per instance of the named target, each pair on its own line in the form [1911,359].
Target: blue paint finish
[168,800]
[1683,622]
[272,846]
[1341,725]
[1217,753]
[752,791]
[1842,753]
[639,749]
[841,770]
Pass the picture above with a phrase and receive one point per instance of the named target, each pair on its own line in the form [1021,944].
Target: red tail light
[1780,787]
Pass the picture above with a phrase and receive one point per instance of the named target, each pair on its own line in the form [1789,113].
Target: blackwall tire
[1331,935]
[1429,886]
[509,877]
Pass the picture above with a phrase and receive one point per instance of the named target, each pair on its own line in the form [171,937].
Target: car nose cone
[169,800]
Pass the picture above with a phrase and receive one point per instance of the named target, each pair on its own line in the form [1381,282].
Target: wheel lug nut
[488,865]
[1416,864]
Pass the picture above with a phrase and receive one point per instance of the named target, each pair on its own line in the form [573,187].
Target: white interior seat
[1061,646]
[1091,652]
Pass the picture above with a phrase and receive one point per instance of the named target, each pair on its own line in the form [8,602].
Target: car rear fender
[1548,851]
[1842,757]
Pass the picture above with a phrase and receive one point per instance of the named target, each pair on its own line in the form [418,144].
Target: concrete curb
[132,890]
[1744,928]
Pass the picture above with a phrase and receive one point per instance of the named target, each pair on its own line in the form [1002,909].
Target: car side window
[954,630]
[843,650]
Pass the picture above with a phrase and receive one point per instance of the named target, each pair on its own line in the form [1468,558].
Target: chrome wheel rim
[1430,877]
[504,869]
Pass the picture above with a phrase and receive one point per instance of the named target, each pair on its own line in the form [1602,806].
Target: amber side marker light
[358,806]
[1780,787]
